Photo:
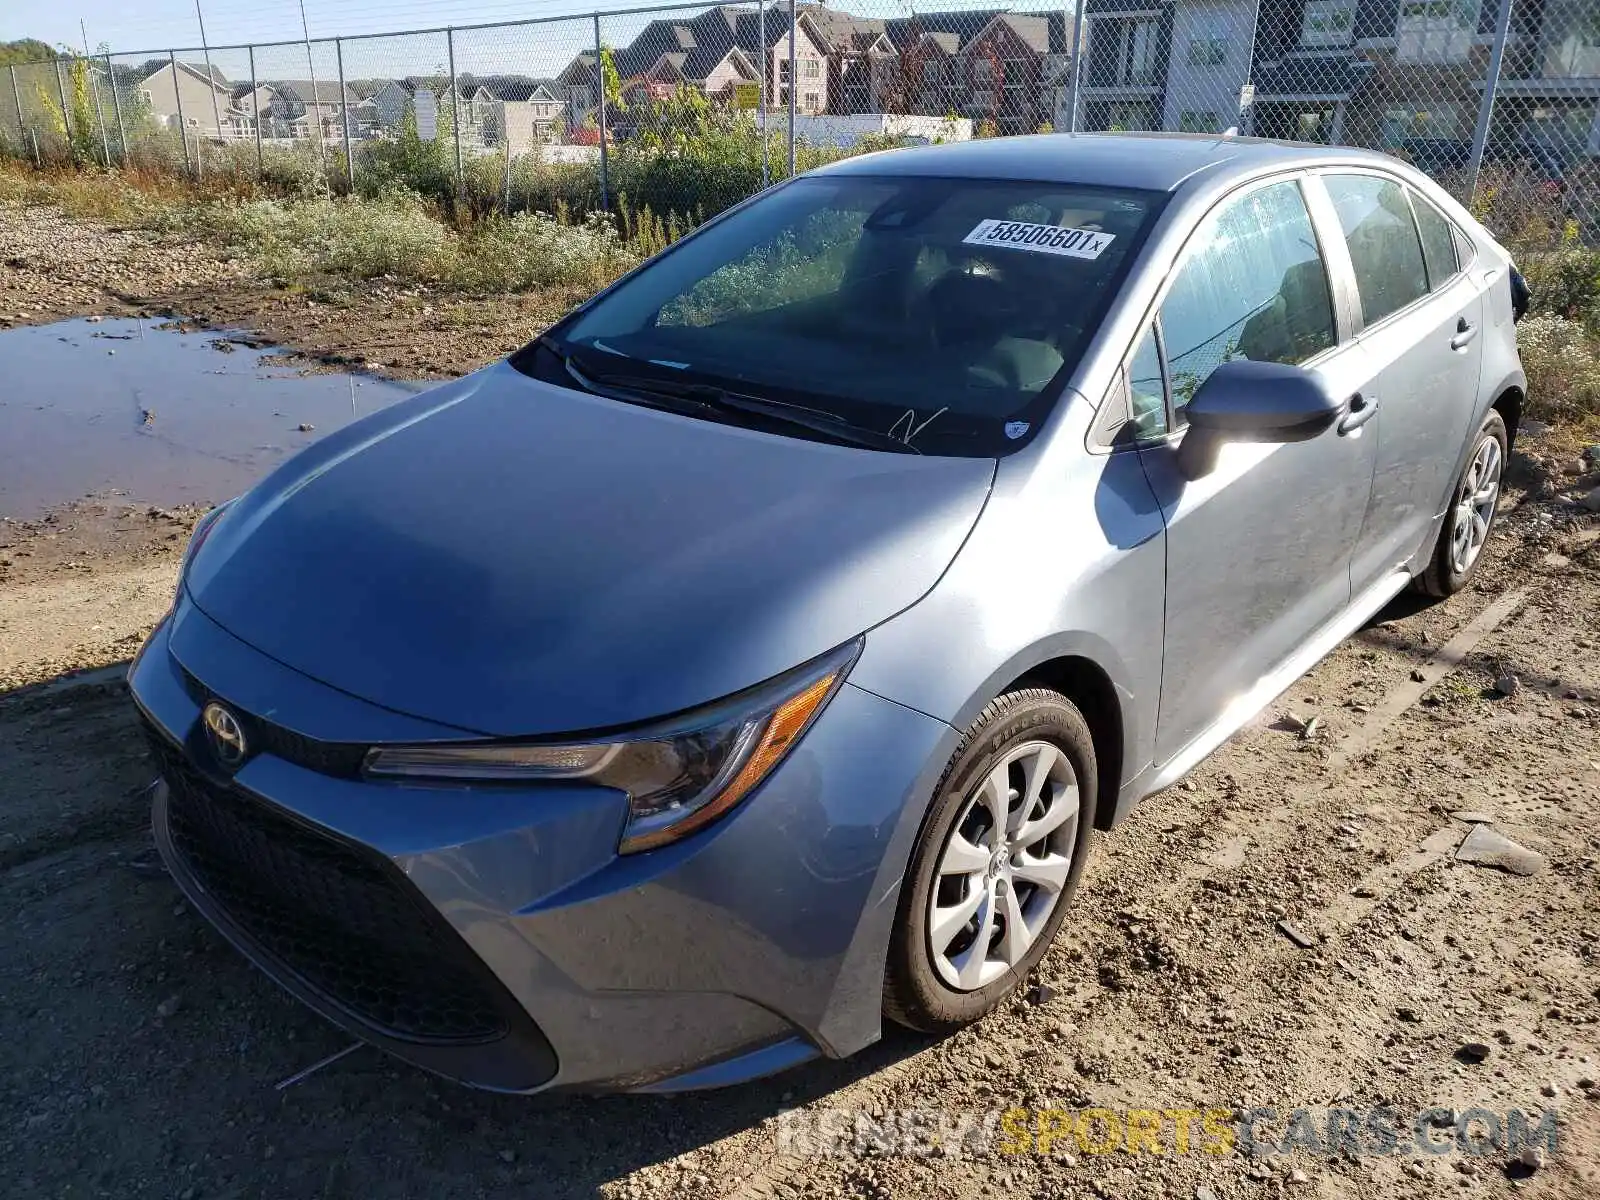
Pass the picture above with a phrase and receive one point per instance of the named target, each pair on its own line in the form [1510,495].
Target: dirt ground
[53,267]
[140,1052]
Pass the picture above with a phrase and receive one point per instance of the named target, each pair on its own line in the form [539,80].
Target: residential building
[299,108]
[989,65]
[187,96]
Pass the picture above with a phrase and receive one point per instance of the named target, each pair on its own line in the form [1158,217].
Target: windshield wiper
[708,399]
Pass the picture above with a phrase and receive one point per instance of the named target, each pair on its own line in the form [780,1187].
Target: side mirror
[1245,401]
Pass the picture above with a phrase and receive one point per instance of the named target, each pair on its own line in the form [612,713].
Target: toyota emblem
[225,733]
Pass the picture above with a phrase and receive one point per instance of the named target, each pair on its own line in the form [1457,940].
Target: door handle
[1465,332]
[1361,410]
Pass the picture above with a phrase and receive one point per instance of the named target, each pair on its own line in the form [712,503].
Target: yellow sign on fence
[747,96]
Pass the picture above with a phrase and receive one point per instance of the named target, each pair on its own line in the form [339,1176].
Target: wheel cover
[1475,505]
[1003,866]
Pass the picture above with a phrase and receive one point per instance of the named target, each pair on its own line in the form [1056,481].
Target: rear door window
[1385,250]
[1438,242]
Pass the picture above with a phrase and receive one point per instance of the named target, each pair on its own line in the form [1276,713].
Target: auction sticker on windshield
[1046,239]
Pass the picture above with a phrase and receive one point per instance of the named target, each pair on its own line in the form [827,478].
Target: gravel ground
[141,1052]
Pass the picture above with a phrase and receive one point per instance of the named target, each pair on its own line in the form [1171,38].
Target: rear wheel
[996,863]
[1471,516]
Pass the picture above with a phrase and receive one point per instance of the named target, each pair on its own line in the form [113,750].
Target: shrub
[536,250]
[1562,362]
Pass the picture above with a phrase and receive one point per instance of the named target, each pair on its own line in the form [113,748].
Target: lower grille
[336,918]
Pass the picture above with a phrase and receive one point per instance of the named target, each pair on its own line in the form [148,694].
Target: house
[710,52]
[203,97]
[517,112]
[1009,68]
[301,108]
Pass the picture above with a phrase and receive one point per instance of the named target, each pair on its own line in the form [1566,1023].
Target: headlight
[678,776]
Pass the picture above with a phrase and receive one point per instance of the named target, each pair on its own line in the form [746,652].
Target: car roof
[1151,161]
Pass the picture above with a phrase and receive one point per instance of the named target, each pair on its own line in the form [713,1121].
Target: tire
[1052,739]
[1444,574]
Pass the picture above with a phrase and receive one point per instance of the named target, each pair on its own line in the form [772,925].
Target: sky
[534,50]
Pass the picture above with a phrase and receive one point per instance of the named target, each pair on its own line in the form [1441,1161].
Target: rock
[1204,1193]
[1418,1171]
[508,1156]
[1417,676]
[1507,685]
[1041,993]
[304,427]
[1576,467]
[1473,1052]
[1298,1176]
[147,416]
[1407,1014]
[1555,562]
[1592,500]
[1472,816]
[1293,933]
[1485,847]
[1550,1090]
[1528,1160]
[169,1006]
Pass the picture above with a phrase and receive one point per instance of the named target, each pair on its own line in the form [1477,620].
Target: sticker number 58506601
[1044,239]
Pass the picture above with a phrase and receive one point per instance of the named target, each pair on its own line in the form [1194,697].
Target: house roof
[325,91]
[154,66]
[1044,33]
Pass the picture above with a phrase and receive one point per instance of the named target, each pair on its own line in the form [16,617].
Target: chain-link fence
[670,114]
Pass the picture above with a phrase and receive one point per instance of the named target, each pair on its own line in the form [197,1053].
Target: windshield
[939,311]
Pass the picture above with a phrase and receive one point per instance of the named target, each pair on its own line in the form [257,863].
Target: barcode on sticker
[1046,239]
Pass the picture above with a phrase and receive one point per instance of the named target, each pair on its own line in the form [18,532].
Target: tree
[611,81]
[24,50]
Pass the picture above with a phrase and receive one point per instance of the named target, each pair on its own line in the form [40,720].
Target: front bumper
[493,935]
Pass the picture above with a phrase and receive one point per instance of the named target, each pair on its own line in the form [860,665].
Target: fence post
[1480,134]
[66,115]
[1079,28]
[255,107]
[455,108]
[177,96]
[344,116]
[116,110]
[793,86]
[600,108]
[99,113]
[766,63]
[505,144]
[16,98]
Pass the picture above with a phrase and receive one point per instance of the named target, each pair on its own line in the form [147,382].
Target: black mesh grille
[334,917]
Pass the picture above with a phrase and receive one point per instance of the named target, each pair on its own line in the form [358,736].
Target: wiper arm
[708,397]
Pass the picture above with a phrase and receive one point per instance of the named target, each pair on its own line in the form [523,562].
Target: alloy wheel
[1003,866]
[1475,505]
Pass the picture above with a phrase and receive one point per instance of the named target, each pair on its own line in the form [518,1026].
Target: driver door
[1259,549]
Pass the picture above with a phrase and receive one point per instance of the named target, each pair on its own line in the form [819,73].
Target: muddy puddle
[156,412]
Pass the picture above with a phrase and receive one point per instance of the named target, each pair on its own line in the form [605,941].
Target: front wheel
[1471,516]
[996,862]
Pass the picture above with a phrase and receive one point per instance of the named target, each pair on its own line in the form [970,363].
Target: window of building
[933,73]
[1422,119]
[1384,248]
[1195,121]
[1254,286]
[811,101]
[1328,23]
[983,72]
[810,68]
[1209,49]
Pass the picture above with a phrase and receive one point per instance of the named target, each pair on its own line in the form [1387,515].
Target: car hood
[509,557]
